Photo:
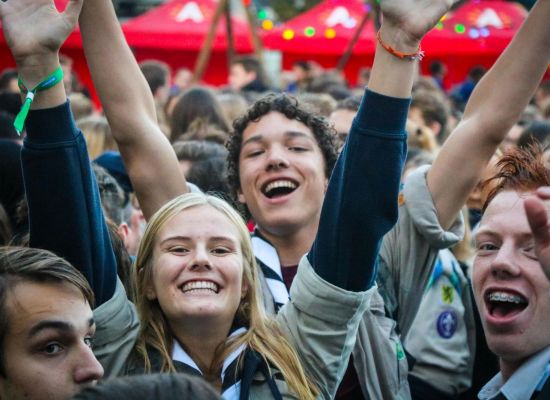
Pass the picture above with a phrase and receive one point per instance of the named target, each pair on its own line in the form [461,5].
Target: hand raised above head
[537,208]
[414,18]
[34,28]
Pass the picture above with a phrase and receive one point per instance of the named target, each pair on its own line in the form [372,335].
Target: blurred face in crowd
[47,347]
[512,137]
[510,287]
[240,77]
[198,269]
[282,174]
[13,86]
[183,78]
[475,199]
[136,227]
[342,120]
[300,74]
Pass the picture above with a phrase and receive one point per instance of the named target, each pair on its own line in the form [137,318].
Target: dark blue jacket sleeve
[360,205]
[65,214]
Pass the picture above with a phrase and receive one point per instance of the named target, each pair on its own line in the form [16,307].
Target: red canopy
[475,34]
[325,29]
[183,25]
[478,27]
[175,32]
[323,33]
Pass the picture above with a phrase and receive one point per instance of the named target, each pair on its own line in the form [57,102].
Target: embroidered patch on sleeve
[446,324]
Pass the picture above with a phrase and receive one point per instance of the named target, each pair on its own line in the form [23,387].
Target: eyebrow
[260,137]
[57,325]
[489,232]
[188,239]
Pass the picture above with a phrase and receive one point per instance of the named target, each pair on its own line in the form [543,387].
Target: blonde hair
[263,334]
[97,133]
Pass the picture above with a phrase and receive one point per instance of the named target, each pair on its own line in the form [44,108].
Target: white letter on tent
[190,11]
[489,17]
[340,15]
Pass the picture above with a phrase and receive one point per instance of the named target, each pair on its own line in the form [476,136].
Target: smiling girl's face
[198,268]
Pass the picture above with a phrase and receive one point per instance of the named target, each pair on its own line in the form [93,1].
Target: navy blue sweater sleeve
[65,214]
[360,205]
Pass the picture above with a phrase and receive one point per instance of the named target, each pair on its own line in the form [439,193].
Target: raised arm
[361,201]
[65,214]
[495,105]
[128,104]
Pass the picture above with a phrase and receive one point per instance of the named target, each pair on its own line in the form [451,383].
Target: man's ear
[123,231]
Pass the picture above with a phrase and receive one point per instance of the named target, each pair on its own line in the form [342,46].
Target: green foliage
[287,9]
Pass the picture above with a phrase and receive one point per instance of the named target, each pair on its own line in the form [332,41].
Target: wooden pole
[204,55]
[256,41]
[376,15]
[230,37]
[347,54]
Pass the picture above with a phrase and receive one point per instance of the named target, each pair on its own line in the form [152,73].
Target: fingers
[73,11]
[543,192]
[538,221]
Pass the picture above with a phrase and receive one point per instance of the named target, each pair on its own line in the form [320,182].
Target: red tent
[475,34]
[323,33]
[175,32]
[325,29]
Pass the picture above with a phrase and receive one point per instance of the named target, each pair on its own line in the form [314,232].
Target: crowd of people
[252,242]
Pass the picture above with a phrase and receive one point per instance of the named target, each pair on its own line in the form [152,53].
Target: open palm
[34,27]
[414,17]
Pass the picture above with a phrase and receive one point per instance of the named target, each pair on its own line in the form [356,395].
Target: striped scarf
[236,384]
[231,383]
[268,260]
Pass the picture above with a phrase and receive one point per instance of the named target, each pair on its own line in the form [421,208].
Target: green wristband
[50,81]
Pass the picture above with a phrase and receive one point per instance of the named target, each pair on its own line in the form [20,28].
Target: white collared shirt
[531,376]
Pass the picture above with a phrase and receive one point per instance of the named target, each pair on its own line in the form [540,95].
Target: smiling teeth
[200,285]
[280,184]
[505,297]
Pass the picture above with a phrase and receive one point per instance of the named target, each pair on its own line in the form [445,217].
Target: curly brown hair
[288,106]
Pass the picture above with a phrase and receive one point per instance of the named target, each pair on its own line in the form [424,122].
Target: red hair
[520,170]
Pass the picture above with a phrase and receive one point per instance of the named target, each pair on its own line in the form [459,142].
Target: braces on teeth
[505,298]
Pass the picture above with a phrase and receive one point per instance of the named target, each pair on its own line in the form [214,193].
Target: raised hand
[35,30]
[414,18]
[537,215]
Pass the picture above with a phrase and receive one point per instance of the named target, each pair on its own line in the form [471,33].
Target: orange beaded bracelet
[417,56]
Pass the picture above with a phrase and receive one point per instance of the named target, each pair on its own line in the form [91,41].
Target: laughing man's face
[510,288]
